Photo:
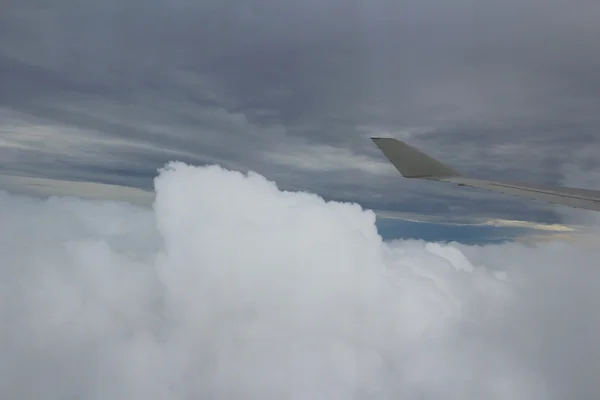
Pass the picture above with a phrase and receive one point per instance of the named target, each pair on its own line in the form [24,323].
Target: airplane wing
[414,164]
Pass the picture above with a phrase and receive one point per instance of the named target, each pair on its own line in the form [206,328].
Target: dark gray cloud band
[500,89]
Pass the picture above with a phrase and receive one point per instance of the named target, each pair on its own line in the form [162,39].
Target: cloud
[39,187]
[241,83]
[327,158]
[458,221]
[231,288]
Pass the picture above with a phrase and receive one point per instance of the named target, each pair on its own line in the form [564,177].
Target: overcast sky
[231,289]
[108,91]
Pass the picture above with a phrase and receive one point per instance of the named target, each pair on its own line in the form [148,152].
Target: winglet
[410,162]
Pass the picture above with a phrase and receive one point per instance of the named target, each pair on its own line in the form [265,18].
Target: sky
[108,92]
[191,206]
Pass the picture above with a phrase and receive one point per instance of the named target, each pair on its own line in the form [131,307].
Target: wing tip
[411,162]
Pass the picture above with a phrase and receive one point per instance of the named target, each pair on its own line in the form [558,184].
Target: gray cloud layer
[294,89]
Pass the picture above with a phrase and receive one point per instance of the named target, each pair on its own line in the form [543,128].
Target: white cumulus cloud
[230,288]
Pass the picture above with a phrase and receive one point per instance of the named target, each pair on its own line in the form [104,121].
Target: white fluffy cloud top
[232,289]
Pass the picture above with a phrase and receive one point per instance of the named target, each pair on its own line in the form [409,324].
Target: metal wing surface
[414,164]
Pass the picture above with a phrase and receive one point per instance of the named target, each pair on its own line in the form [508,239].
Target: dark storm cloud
[293,90]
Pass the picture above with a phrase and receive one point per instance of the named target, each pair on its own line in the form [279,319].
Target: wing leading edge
[414,164]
